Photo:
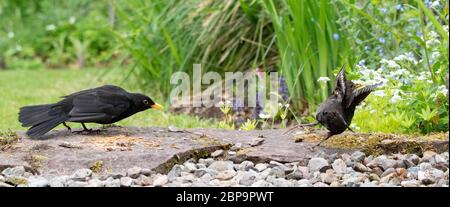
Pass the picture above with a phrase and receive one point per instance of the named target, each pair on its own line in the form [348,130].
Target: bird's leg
[348,127]
[85,128]
[329,134]
[301,125]
[345,123]
[68,127]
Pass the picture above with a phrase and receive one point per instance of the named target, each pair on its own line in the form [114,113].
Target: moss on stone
[97,166]
[16,181]
[35,160]
[8,138]
[377,143]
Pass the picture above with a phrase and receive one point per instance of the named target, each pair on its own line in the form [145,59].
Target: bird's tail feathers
[44,127]
[42,118]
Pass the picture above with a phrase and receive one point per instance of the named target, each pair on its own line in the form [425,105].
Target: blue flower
[400,7]
[362,62]
[381,40]
[427,3]
[283,88]
[384,10]
[336,36]
[419,34]
[366,48]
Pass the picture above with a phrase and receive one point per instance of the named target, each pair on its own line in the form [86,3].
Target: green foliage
[165,36]
[54,33]
[310,46]
[249,125]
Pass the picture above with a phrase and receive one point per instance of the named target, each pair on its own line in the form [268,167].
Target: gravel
[355,170]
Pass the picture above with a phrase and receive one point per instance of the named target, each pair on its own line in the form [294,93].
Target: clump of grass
[8,138]
[17,181]
[308,40]
[35,160]
[97,166]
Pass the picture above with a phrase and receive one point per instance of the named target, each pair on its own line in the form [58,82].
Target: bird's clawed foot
[329,134]
[68,127]
[86,130]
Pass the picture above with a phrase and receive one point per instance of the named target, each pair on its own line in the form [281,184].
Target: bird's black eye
[145,102]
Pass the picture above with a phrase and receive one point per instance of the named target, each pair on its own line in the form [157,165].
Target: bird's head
[144,102]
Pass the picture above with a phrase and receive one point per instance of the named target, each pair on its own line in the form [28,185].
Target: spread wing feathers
[339,88]
[99,106]
[358,95]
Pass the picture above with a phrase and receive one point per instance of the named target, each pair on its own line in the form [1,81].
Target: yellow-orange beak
[157,106]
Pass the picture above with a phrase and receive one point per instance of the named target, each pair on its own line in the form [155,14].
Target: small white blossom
[435,4]
[395,98]
[390,63]
[50,27]
[435,55]
[323,79]
[379,93]
[10,35]
[421,78]
[433,42]
[18,48]
[264,116]
[442,90]
[72,20]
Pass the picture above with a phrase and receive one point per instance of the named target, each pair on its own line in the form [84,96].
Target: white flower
[264,116]
[445,27]
[435,55]
[323,79]
[433,42]
[18,48]
[407,57]
[379,93]
[50,27]
[421,78]
[435,4]
[442,90]
[72,20]
[287,105]
[10,35]
[392,64]
[395,98]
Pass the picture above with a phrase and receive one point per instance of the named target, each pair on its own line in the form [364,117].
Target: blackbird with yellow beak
[103,105]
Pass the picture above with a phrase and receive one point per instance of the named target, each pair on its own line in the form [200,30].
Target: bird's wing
[358,95]
[98,106]
[339,88]
[107,88]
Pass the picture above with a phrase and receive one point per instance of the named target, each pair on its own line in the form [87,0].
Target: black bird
[103,105]
[336,113]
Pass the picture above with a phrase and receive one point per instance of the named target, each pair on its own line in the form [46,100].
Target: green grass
[30,87]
